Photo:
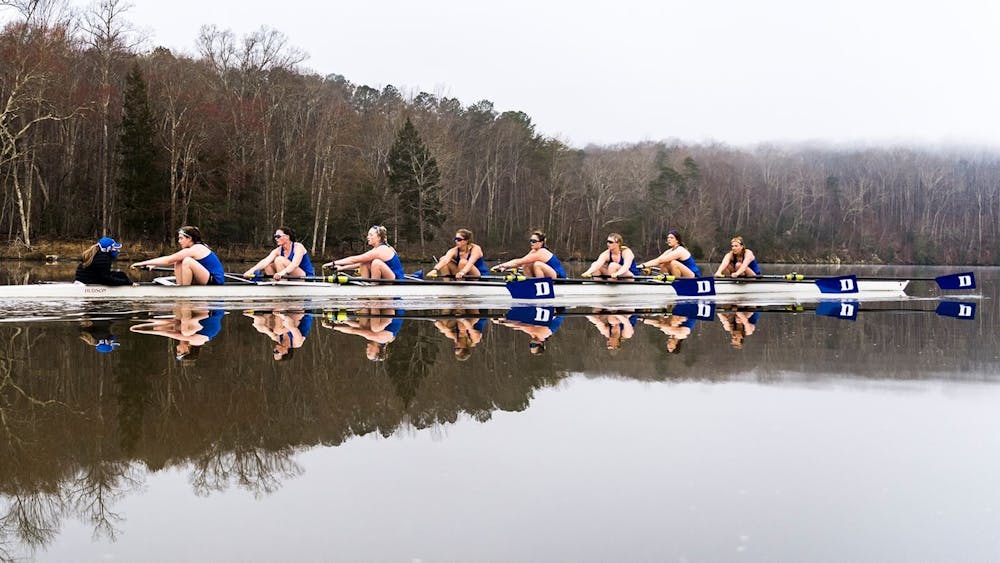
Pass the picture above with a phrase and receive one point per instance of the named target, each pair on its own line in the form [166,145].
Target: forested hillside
[99,135]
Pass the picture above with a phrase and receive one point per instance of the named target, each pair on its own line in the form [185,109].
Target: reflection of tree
[96,488]
[31,521]
[255,469]
[412,360]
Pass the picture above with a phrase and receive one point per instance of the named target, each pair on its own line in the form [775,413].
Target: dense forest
[101,135]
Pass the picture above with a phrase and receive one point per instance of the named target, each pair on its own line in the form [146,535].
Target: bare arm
[725,260]
[745,265]
[474,256]
[603,259]
[262,264]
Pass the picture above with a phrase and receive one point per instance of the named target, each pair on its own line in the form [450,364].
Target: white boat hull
[585,292]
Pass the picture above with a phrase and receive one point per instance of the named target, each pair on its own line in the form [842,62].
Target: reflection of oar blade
[846,310]
[701,310]
[540,316]
[965,280]
[957,310]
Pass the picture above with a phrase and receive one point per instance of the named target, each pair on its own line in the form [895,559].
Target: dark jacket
[99,272]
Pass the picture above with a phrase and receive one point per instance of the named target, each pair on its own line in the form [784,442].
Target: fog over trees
[101,136]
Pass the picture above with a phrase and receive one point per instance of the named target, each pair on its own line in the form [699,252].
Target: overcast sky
[735,71]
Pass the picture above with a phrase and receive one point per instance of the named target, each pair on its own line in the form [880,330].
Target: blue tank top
[479,265]
[212,324]
[753,266]
[215,270]
[556,265]
[621,261]
[395,264]
[692,266]
[306,264]
[395,324]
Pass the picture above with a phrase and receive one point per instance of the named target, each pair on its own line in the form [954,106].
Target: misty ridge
[102,135]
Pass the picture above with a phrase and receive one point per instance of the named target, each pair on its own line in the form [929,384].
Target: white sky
[736,71]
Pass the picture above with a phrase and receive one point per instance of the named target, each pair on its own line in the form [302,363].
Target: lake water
[248,432]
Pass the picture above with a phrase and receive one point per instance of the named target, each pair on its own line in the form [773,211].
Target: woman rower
[194,263]
[738,262]
[676,261]
[617,261]
[290,258]
[95,264]
[380,263]
[464,260]
[539,262]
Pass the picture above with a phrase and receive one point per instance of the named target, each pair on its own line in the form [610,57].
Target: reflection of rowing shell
[530,289]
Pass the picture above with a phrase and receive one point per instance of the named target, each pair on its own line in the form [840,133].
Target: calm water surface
[301,432]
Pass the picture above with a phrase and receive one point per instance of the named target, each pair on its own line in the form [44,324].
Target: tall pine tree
[140,179]
[416,181]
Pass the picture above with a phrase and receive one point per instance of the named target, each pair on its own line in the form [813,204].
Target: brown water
[800,438]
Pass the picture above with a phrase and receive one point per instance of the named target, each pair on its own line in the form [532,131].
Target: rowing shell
[592,292]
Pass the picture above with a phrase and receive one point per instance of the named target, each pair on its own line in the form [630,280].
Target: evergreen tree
[140,179]
[416,181]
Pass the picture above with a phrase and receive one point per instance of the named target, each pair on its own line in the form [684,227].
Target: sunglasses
[612,241]
[533,240]
[459,239]
[277,236]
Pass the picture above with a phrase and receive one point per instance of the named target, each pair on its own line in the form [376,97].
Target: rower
[539,262]
[464,260]
[95,264]
[380,263]
[194,263]
[738,262]
[618,261]
[676,261]
[290,258]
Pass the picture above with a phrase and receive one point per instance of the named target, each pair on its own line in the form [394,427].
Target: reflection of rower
[379,328]
[739,325]
[540,323]
[615,327]
[466,331]
[677,329]
[287,330]
[192,328]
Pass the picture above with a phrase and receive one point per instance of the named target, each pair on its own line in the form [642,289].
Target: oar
[963,280]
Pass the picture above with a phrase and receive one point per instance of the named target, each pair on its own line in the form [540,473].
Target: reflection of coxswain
[540,323]
[677,329]
[378,328]
[739,325]
[465,330]
[98,334]
[191,328]
[287,330]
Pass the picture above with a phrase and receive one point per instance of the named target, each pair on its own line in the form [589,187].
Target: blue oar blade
[694,287]
[847,310]
[957,310]
[539,316]
[965,280]
[533,288]
[701,310]
[839,284]
[418,275]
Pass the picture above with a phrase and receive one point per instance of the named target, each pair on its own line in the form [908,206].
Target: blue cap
[108,244]
[107,345]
